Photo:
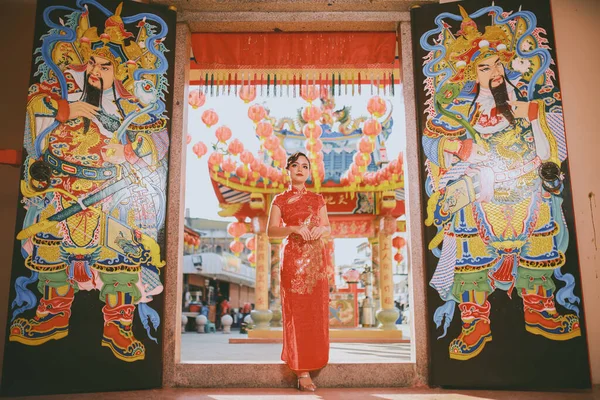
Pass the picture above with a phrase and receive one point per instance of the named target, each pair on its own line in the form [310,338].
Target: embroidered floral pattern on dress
[300,207]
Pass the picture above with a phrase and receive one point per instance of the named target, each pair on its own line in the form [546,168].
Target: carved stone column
[274,297]
[261,315]
[388,313]
[375,269]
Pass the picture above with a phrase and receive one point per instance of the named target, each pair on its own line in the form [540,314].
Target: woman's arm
[324,229]
[275,230]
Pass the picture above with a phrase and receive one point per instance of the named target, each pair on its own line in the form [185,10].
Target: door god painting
[94,180]
[494,147]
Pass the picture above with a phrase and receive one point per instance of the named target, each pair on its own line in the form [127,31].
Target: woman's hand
[317,232]
[303,231]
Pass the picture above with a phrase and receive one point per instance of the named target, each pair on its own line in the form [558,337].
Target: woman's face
[299,170]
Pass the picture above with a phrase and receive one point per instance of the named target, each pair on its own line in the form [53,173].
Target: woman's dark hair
[294,157]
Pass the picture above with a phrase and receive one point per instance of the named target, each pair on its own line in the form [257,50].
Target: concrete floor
[215,348]
[328,394]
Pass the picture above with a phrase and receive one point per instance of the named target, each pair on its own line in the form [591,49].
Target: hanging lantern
[236,247]
[376,106]
[252,259]
[188,139]
[398,242]
[199,149]
[398,257]
[235,147]
[366,145]
[246,157]
[256,113]
[241,173]
[309,93]
[264,129]
[314,145]
[214,161]
[210,118]
[351,276]
[312,131]
[311,113]
[248,93]
[223,134]
[360,160]
[251,243]
[279,156]
[228,166]
[236,229]
[272,143]
[196,99]
[371,127]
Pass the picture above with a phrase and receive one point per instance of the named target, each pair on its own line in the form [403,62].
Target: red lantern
[376,106]
[235,147]
[280,156]
[255,165]
[247,93]
[241,172]
[210,118]
[264,129]
[197,242]
[398,257]
[215,159]
[188,139]
[372,127]
[196,99]
[351,276]
[309,93]
[223,134]
[398,242]
[236,247]
[311,113]
[314,146]
[366,145]
[272,143]
[256,113]
[360,160]
[228,166]
[263,170]
[199,149]
[252,259]
[247,157]
[251,243]
[312,131]
[236,229]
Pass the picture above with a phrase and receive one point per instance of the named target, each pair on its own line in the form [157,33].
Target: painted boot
[476,331]
[117,334]
[541,318]
[51,321]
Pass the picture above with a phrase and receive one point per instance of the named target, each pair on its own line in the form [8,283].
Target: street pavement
[215,348]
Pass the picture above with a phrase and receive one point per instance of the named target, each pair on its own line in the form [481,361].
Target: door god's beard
[500,94]
[91,95]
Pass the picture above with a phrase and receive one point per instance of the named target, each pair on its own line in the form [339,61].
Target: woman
[304,278]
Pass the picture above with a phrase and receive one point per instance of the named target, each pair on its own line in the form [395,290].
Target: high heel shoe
[306,388]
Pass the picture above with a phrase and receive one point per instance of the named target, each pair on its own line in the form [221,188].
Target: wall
[17,17]
[574,30]
[578,59]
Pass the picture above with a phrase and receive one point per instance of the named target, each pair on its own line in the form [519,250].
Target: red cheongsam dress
[304,285]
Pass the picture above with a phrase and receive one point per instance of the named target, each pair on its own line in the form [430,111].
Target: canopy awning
[225,59]
[224,267]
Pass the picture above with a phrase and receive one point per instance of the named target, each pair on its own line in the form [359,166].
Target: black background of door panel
[78,363]
[514,359]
